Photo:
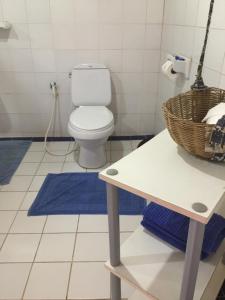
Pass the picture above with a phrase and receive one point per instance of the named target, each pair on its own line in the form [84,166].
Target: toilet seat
[91,122]
[91,118]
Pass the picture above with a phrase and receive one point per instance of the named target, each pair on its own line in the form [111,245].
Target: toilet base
[92,153]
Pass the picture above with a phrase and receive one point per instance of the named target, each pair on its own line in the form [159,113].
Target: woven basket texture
[183,115]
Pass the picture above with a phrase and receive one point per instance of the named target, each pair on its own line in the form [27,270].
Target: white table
[164,173]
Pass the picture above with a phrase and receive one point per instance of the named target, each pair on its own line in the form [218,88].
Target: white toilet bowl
[91,126]
[92,122]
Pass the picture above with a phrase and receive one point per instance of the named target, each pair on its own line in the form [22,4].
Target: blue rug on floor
[80,193]
[11,155]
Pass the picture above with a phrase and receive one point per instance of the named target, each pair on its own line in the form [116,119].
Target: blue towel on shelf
[11,155]
[80,193]
[173,228]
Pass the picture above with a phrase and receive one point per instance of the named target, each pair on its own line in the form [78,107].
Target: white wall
[183,33]
[49,37]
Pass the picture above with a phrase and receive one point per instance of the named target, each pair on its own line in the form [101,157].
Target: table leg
[114,238]
[192,259]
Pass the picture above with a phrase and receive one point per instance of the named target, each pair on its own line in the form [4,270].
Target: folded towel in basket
[214,114]
[173,228]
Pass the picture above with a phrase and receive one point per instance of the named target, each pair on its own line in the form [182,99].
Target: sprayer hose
[53,87]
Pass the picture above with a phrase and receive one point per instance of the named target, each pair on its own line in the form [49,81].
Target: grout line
[65,159]
[33,260]
[71,264]
[36,262]
[31,183]
[8,232]
[54,262]
[66,232]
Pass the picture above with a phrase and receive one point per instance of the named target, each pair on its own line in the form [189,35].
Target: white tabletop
[162,172]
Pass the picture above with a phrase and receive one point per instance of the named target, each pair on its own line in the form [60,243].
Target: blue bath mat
[80,193]
[11,155]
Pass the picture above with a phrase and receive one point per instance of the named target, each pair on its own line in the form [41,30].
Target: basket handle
[199,82]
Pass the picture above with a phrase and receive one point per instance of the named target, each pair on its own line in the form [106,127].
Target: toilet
[91,123]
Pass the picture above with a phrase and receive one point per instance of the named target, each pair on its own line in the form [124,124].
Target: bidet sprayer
[53,87]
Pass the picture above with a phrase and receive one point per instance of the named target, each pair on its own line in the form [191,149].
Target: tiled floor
[54,257]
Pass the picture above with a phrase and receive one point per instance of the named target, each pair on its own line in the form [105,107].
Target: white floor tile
[94,246]
[36,156]
[120,145]
[13,279]
[56,247]
[99,223]
[36,183]
[2,238]
[129,223]
[54,158]
[48,281]
[73,146]
[72,167]
[99,169]
[108,145]
[61,224]
[124,236]
[11,200]
[6,220]
[19,248]
[25,224]
[18,184]
[46,168]
[135,144]
[108,156]
[37,146]
[27,169]
[28,200]
[91,247]
[55,146]
[72,157]
[89,280]
[118,154]
[93,223]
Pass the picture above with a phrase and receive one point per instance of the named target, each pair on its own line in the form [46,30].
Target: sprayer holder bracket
[181,64]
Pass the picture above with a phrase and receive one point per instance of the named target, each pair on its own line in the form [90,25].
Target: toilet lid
[91,117]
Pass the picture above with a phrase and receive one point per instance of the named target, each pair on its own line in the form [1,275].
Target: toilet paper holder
[5,25]
[181,64]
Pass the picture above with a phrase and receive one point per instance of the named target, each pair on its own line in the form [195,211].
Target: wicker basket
[184,114]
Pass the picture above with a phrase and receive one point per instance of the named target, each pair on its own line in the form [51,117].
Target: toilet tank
[91,85]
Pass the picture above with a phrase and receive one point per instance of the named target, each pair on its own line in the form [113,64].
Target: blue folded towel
[173,228]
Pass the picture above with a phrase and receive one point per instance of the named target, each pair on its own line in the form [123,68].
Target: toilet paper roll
[167,71]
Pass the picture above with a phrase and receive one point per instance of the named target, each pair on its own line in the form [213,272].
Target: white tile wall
[49,37]
[38,11]
[183,33]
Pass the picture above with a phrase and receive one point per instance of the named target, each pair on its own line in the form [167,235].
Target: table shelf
[155,268]
[164,173]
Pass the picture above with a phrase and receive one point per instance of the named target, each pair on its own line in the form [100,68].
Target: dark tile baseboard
[66,139]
